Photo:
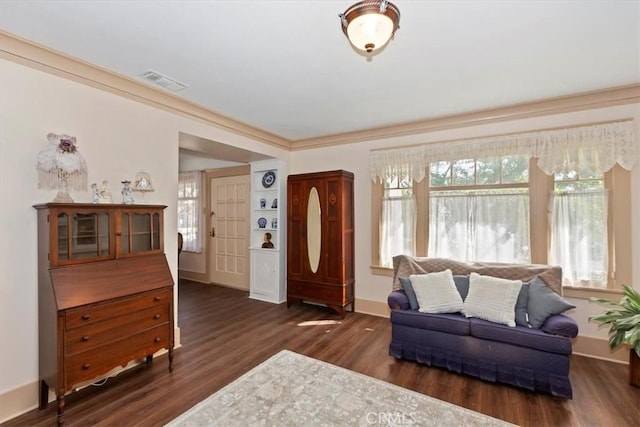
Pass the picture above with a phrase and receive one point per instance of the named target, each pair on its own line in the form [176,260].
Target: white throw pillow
[436,292]
[492,298]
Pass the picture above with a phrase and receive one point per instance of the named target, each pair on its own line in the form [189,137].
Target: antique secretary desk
[105,292]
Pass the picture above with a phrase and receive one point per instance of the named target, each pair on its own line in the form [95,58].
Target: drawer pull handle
[85,338]
[86,317]
[157,340]
[156,299]
[86,366]
[156,316]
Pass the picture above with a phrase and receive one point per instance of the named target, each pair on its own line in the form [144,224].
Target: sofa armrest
[562,325]
[398,300]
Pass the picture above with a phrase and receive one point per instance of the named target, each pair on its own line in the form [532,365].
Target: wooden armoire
[320,239]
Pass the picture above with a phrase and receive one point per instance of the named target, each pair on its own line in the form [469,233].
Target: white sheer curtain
[189,202]
[480,226]
[398,227]
[594,147]
[579,237]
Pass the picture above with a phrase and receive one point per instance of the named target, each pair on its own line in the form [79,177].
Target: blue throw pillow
[543,302]
[409,292]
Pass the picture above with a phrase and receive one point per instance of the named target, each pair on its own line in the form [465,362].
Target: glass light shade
[370,31]
[369,25]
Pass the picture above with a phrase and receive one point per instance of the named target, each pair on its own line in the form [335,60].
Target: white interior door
[229,235]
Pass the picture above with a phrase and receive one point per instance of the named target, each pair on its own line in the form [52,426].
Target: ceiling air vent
[162,80]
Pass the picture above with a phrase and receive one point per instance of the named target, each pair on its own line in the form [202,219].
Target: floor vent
[163,81]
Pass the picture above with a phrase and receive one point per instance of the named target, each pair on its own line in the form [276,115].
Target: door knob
[212,233]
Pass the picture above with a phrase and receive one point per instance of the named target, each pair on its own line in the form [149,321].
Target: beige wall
[355,158]
[118,137]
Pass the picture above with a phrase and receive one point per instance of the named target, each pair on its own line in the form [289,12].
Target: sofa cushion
[409,292]
[453,323]
[436,292]
[492,298]
[520,336]
[543,302]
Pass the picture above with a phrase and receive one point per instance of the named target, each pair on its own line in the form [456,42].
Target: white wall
[191,162]
[355,158]
[118,137]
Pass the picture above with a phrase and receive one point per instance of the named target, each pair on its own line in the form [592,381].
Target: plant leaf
[624,321]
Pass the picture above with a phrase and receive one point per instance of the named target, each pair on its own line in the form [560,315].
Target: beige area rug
[290,389]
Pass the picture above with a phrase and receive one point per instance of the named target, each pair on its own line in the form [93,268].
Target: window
[398,225]
[479,209]
[548,197]
[189,210]
[579,228]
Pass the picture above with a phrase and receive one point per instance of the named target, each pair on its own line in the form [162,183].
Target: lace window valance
[596,148]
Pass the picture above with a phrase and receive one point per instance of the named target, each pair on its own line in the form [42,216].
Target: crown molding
[25,52]
[621,95]
[28,53]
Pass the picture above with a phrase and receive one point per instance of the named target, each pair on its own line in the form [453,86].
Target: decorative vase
[634,368]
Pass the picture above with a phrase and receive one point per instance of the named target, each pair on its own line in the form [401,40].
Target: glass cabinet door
[84,232]
[139,232]
[63,236]
[82,236]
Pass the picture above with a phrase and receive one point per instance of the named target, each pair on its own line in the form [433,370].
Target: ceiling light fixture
[369,25]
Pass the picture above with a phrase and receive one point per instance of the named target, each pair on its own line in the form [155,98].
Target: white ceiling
[285,66]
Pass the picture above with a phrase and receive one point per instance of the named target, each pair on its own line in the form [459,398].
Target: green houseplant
[624,321]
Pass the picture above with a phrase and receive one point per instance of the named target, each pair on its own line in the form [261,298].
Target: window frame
[617,182]
[198,199]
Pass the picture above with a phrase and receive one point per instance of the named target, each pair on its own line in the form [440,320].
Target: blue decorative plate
[268,179]
[262,222]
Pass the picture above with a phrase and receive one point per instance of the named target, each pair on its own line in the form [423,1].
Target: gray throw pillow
[543,302]
[462,284]
[409,292]
[521,305]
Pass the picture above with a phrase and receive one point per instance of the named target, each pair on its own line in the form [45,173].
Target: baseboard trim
[598,348]
[374,308]
[193,276]
[19,400]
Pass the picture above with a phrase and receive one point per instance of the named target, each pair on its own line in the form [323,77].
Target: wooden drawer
[93,313]
[99,333]
[100,360]
[326,294]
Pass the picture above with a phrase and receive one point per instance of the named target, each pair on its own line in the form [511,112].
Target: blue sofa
[534,359]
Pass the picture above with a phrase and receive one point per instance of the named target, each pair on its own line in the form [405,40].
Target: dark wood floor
[225,334]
